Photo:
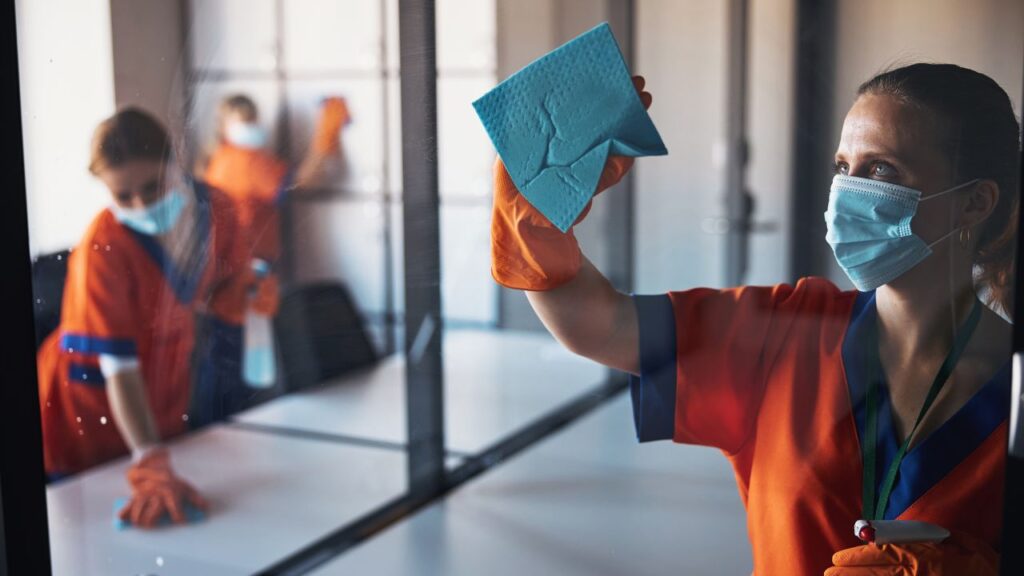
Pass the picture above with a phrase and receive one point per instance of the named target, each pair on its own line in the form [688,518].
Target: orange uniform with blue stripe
[124,297]
[773,377]
[257,182]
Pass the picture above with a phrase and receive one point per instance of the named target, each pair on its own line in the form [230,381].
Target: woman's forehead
[133,173]
[883,125]
[239,115]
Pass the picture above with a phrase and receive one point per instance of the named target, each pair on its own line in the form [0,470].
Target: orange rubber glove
[333,115]
[156,490]
[527,251]
[960,554]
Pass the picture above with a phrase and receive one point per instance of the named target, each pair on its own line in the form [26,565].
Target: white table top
[271,495]
[495,383]
[587,501]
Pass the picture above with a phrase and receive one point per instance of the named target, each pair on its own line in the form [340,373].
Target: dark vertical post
[738,203]
[812,137]
[24,540]
[423,373]
[387,187]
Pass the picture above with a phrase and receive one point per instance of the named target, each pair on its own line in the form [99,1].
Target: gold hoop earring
[965,237]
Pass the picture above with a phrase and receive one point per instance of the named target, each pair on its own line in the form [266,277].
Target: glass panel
[364,159]
[223,284]
[344,238]
[500,378]
[469,295]
[465,157]
[466,36]
[207,96]
[218,292]
[339,36]
[232,35]
[775,373]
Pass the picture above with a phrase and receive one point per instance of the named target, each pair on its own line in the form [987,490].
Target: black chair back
[321,335]
[49,272]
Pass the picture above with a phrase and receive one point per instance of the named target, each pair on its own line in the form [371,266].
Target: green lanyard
[873,510]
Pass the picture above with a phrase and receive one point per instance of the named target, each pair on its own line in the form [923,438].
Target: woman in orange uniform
[115,377]
[885,403]
[243,168]
[258,182]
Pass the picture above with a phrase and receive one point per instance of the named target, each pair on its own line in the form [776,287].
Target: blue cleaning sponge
[555,122]
[192,515]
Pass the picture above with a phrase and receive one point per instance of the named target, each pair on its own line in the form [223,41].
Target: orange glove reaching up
[333,116]
[527,251]
[960,554]
[156,491]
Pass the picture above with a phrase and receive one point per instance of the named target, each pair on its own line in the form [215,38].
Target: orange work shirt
[257,182]
[125,297]
[774,377]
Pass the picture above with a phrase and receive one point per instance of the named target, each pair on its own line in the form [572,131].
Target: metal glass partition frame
[24,540]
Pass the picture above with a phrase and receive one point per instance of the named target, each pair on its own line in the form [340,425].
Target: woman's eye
[841,168]
[883,170]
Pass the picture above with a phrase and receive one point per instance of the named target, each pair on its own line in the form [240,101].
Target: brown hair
[130,134]
[982,141]
[240,104]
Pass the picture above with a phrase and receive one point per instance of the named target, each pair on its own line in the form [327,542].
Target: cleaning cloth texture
[555,122]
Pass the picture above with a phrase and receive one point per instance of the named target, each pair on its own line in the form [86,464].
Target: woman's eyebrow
[889,156]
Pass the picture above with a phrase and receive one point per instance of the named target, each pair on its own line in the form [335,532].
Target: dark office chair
[320,335]
[48,274]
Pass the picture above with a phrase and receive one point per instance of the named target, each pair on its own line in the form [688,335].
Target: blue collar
[184,282]
[931,459]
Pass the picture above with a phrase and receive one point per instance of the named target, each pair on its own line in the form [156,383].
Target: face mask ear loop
[951,190]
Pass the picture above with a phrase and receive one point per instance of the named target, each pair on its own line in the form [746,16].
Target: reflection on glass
[220,296]
[221,260]
[115,374]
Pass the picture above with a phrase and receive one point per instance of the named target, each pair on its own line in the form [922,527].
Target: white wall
[148,47]
[67,88]
[80,60]
[681,51]
[771,77]
[985,35]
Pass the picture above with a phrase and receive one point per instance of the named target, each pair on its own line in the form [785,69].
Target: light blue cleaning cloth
[555,122]
[192,515]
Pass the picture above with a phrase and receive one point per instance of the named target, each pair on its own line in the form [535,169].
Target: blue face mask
[869,229]
[155,219]
[246,135]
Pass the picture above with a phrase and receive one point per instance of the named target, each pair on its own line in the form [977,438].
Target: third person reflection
[242,166]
